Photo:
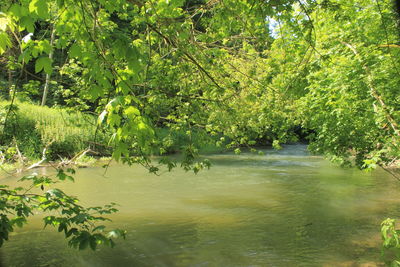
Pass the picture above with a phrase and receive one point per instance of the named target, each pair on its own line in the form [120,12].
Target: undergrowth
[30,128]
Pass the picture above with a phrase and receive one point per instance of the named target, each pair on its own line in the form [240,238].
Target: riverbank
[80,162]
[32,134]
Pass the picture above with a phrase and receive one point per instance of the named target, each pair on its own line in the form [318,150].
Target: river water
[284,208]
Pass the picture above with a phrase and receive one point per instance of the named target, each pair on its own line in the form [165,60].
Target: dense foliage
[237,73]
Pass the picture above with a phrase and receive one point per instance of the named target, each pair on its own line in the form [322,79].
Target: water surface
[284,208]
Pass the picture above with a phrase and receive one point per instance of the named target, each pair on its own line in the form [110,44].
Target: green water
[285,208]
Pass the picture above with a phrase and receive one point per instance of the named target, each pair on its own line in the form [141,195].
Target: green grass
[34,127]
[31,128]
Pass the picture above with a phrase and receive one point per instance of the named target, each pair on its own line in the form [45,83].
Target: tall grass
[65,132]
[34,127]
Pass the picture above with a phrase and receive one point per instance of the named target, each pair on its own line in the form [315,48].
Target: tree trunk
[10,82]
[47,82]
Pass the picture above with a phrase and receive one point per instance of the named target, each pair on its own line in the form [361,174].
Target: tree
[325,70]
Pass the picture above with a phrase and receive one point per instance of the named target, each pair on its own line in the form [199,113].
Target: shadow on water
[1,260]
[284,208]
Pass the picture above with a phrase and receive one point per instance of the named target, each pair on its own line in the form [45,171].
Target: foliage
[79,224]
[391,242]
[176,75]
[352,105]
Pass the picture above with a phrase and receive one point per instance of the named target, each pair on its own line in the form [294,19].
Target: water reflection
[285,208]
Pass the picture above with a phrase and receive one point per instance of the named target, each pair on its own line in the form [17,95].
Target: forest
[164,83]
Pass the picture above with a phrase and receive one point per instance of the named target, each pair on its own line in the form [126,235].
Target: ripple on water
[284,208]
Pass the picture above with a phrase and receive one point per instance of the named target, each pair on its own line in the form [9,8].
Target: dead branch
[44,158]
[75,159]
[389,45]
[2,158]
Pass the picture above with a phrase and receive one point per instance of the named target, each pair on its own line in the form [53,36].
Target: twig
[74,159]
[188,56]
[21,158]
[392,173]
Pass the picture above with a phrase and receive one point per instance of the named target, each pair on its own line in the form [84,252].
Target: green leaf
[71,170]
[71,231]
[61,175]
[80,218]
[40,7]
[19,221]
[60,3]
[3,23]
[61,227]
[43,63]
[4,42]
[27,23]
[84,244]
[75,51]
[132,112]
[55,193]
[99,228]
[44,46]
[95,91]
[15,10]
[93,243]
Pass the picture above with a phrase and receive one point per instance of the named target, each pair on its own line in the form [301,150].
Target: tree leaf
[27,23]
[83,244]
[39,7]
[43,63]
[75,51]
[3,23]
[4,42]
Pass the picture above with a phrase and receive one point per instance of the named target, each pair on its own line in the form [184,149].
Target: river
[284,208]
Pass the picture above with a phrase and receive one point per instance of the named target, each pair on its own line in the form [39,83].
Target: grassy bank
[64,133]
[30,128]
